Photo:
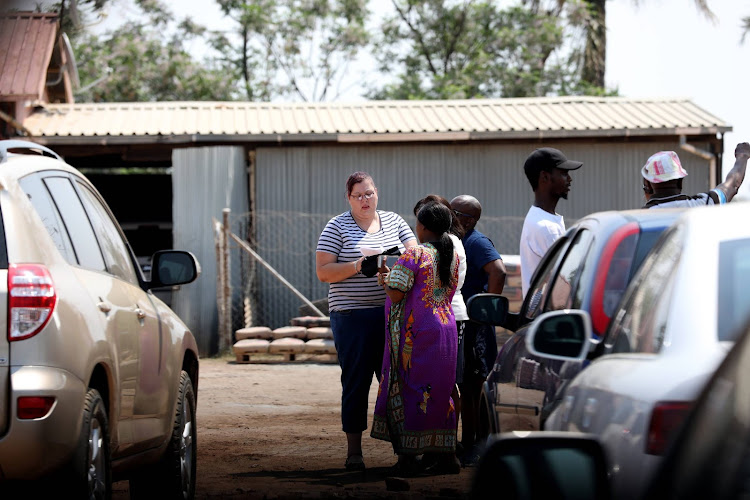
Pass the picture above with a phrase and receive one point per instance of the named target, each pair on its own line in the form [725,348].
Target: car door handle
[104,307]
[140,313]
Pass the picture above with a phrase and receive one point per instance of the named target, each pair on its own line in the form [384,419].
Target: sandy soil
[272,429]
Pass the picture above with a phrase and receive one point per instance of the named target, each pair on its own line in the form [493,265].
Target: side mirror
[488,308]
[173,267]
[561,335]
[541,465]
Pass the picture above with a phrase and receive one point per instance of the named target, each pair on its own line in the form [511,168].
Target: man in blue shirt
[485,272]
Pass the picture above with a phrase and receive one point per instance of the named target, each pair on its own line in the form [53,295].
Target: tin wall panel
[307,185]
[204,182]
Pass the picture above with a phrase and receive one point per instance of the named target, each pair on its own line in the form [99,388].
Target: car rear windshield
[734,287]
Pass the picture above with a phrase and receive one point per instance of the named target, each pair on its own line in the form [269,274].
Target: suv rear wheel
[89,474]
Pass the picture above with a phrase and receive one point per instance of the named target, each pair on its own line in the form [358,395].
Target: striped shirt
[713,197]
[343,238]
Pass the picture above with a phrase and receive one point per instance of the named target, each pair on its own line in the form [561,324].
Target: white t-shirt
[540,230]
[459,308]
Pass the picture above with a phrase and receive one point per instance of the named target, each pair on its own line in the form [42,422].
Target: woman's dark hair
[436,218]
[456,228]
[356,178]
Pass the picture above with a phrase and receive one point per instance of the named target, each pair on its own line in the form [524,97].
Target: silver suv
[98,377]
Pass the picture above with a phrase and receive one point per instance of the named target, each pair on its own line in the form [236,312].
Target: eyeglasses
[359,197]
[461,214]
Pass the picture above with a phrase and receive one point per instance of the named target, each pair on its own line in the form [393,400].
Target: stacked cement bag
[512,291]
[305,335]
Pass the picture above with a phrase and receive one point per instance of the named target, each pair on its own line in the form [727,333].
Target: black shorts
[480,349]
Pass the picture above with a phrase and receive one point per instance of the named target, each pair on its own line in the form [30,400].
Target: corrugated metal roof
[372,121]
[26,43]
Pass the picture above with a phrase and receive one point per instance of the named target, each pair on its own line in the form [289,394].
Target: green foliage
[147,60]
[441,49]
[292,48]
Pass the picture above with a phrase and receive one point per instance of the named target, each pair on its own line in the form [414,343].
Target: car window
[565,293]
[40,198]
[113,247]
[641,322]
[647,240]
[76,222]
[537,294]
[734,287]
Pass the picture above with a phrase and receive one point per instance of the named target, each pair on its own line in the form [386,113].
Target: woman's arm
[396,296]
[330,271]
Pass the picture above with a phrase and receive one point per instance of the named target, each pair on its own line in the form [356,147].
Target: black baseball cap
[547,159]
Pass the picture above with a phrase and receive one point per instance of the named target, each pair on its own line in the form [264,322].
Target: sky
[655,48]
[666,48]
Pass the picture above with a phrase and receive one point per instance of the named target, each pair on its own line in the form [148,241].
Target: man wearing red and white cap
[662,181]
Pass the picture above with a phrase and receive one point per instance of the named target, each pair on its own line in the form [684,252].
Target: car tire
[174,476]
[89,474]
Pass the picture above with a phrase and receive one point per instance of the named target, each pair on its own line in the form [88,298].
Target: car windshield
[734,287]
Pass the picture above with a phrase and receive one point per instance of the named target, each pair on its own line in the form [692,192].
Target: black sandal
[407,466]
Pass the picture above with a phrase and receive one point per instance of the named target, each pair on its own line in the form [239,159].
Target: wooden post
[225,339]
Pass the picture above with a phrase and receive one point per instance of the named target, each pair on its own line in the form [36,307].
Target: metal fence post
[225,335]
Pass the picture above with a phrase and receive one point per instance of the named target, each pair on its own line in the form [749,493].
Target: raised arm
[734,179]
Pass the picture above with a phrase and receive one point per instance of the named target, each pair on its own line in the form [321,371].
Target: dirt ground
[272,430]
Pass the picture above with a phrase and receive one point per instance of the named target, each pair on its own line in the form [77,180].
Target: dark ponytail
[437,219]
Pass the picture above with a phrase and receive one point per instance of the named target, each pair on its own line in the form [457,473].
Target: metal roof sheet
[26,43]
[372,121]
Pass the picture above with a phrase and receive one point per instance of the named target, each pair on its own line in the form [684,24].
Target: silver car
[676,322]
[98,377]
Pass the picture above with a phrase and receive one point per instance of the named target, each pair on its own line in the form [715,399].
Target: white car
[675,323]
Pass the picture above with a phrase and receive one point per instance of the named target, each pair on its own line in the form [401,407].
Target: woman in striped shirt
[356,302]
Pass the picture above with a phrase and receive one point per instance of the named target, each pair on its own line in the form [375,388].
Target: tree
[442,49]
[144,59]
[291,48]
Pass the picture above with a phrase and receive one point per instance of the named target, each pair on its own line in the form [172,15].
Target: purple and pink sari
[414,409]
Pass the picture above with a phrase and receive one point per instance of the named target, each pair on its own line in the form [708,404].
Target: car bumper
[33,448]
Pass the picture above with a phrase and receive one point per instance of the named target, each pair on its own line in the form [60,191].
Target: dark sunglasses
[461,214]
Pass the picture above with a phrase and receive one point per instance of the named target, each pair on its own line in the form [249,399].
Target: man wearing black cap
[548,171]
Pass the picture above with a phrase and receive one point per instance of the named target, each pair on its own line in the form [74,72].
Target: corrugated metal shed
[196,174]
[371,121]
[298,157]
[26,43]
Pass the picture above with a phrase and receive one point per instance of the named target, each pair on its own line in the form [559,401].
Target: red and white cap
[663,166]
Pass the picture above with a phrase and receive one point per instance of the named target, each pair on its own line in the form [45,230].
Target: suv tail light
[31,407]
[612,275]
[666,419]
[31,300]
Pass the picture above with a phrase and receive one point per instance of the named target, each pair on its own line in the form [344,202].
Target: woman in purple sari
[414,409]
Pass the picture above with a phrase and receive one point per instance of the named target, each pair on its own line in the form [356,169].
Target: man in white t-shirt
[548,171]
